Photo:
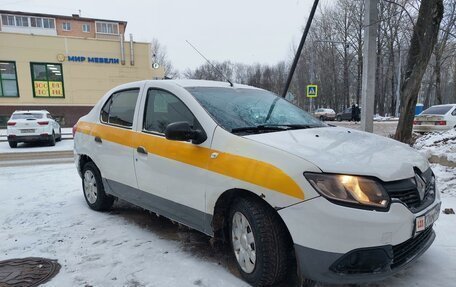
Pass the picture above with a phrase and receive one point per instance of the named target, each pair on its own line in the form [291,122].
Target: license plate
[27,131]
[424,221]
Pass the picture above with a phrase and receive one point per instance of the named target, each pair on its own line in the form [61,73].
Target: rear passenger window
[163,108]
[120,108]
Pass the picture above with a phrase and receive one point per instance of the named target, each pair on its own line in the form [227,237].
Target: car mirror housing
[182,131]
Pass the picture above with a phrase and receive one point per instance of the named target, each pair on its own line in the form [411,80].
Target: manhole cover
[27,272]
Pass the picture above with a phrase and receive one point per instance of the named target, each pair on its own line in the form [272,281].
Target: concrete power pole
[369,65]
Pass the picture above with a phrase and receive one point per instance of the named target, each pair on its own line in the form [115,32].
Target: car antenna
[215,68]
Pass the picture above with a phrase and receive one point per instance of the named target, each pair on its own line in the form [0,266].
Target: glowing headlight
[349,189]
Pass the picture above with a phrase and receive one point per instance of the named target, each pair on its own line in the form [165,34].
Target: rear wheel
[92,185]
[12,144]
[59,138]
[52,140]
[259,242]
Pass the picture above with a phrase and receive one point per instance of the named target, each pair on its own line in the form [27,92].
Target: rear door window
[119,110]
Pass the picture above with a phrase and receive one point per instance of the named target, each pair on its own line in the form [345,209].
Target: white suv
[32,126]
[245,166]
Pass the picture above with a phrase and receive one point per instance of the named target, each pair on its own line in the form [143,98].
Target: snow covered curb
[439,147]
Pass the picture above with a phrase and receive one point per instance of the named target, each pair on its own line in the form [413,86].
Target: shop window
[86,28]
[107,28]
[47,80]
[66,26]
[8,79]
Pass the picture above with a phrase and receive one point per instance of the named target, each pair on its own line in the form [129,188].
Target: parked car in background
[436,118]
[251,169]
[325,114]
[32,126]
[345,115]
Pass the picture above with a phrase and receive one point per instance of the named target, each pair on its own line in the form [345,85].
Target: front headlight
[349,189]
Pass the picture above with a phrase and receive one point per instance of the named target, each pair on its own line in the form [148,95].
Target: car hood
[346,151]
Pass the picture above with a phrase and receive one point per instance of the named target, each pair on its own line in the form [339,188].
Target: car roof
[30,111]
[187,83]
[445,105]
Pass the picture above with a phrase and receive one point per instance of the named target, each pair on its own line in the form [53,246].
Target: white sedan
[32,126]
[436,118]
[325,114]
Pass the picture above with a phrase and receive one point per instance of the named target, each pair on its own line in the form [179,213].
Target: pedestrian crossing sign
[312,91]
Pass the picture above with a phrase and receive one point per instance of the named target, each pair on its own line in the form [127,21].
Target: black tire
[272,243]
[322,118]
[59,138]
[12,144]
[52,140]
[103,201]
[339,118]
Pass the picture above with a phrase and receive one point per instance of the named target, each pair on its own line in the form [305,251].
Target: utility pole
[301,45]
[369,65]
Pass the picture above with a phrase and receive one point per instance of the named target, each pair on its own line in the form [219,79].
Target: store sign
[48,89]
[41,88]
[97,60]
[56,89]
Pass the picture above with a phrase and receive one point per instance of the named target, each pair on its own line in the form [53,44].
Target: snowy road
[44,214]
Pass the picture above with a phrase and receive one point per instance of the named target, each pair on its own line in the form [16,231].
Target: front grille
[406,251]
[406,191]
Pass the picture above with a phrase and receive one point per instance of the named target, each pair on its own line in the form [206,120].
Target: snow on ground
[44,214]
[441,144]
[64,145]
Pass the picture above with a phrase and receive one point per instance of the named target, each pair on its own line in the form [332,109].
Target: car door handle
[98,140]
[141,149]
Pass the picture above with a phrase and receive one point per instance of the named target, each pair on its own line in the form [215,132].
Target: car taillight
[440,123]
[43,123]
[75,127]
[11,123]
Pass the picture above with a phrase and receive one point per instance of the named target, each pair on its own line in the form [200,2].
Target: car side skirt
[185,215]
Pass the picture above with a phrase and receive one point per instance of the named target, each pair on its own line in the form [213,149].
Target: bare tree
[424,38]
[160,56]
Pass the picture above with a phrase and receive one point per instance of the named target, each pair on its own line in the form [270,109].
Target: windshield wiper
[274,127]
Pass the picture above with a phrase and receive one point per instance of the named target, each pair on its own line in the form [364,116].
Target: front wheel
[322,118]
[92,185]
[259,241]
[12,144]
[339,118]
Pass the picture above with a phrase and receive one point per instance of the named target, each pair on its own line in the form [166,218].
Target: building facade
[65,64]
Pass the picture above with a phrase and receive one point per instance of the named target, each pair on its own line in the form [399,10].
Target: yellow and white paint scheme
[187,179]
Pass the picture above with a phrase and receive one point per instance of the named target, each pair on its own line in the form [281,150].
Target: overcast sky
[247,31]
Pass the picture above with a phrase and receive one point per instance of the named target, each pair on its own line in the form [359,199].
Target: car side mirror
[182,131]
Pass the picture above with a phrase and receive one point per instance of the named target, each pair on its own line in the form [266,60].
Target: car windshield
[437,110]
[241,109]
[24,116]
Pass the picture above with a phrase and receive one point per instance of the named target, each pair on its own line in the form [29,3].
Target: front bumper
[364,264]
[337,244]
